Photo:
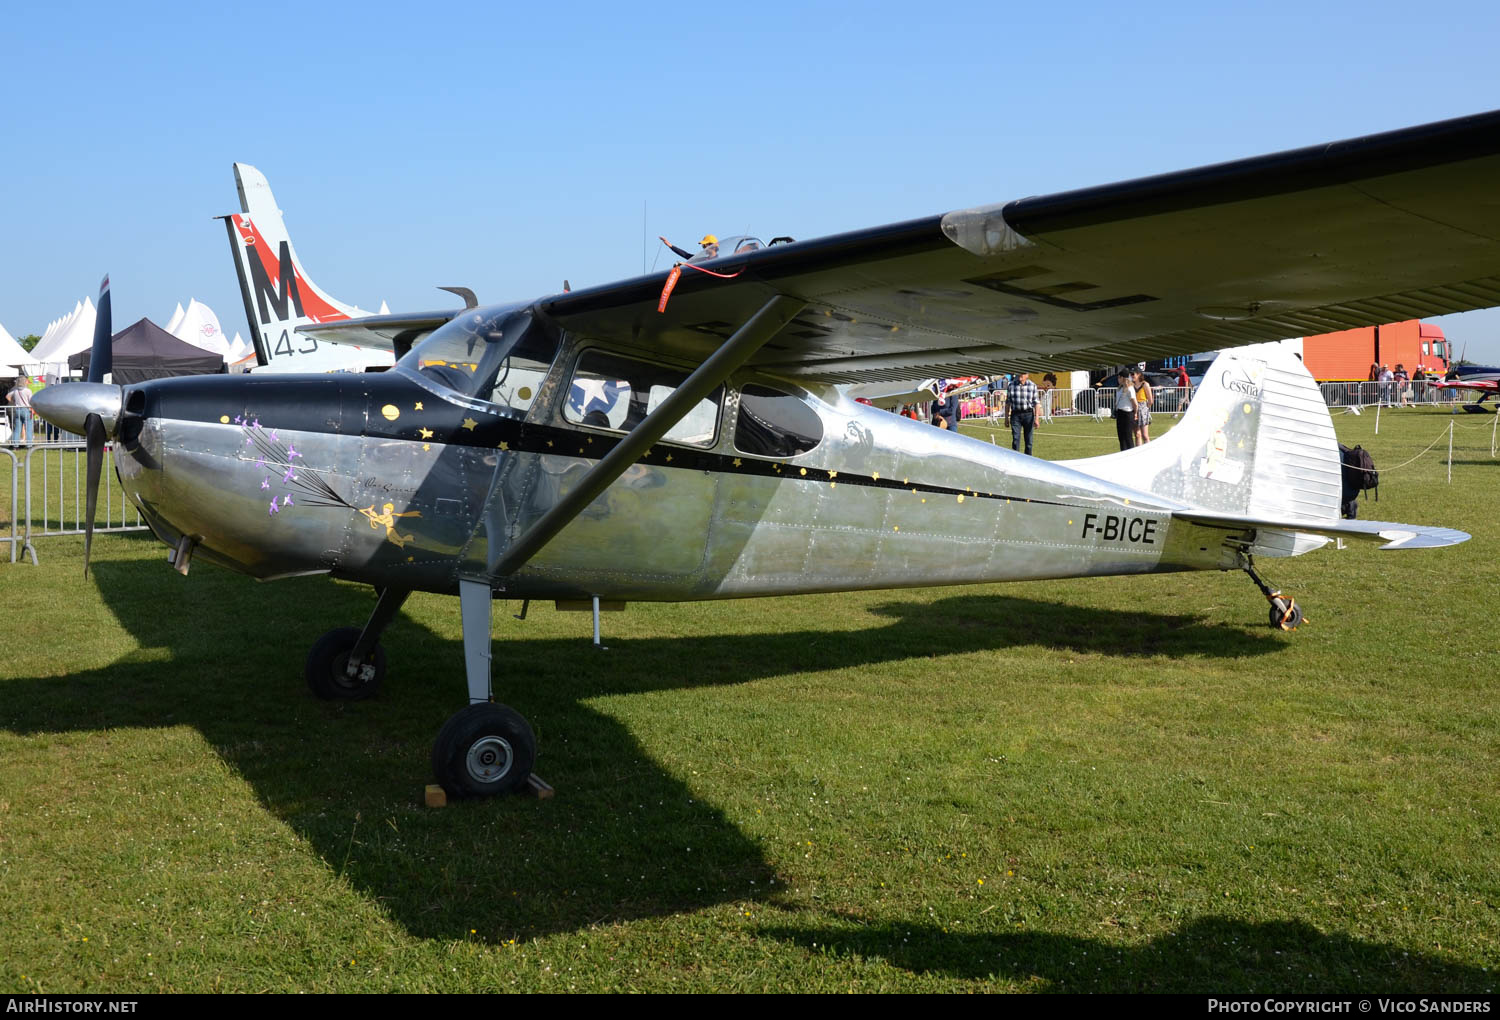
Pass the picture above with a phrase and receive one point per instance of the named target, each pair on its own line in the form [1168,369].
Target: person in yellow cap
[708,248]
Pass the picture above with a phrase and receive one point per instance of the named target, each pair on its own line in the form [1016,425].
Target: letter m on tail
[283,298]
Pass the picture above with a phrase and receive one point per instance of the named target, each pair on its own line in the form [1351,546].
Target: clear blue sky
[506,147]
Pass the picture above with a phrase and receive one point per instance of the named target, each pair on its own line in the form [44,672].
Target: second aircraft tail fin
[279,296]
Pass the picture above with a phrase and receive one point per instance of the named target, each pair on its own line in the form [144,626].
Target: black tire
[1285,615]
[484,750]
[326,662]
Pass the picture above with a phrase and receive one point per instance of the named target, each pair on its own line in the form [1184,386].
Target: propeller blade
[101,359]
[94,434]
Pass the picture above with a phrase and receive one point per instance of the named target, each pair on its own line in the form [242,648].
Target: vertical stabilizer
[1256,440]
[279,296]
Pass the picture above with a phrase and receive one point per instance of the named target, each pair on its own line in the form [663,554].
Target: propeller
[94,433]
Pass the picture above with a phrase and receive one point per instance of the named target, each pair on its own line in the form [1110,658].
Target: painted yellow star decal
[470,424]
[669,458]
[505,446]
[876,476]
[549,442]
[738,462]
[425,433]
[419,405]
[426,446]
[833,474]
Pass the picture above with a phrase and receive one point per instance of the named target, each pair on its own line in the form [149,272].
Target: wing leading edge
[1375,229]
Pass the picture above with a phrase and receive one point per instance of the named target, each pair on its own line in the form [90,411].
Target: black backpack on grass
[1359,475]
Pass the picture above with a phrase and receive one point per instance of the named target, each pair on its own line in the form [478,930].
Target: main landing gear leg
[348,664]
[486,748]
[1285,613]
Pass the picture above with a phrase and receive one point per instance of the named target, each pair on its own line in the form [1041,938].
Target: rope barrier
[1429,446]
[1480,426]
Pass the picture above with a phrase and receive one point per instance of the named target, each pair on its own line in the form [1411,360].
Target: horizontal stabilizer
[379,331]
[1395,536]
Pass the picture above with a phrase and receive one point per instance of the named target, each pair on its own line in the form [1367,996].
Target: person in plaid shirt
[1020,403]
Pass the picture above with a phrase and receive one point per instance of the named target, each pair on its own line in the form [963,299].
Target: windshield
[737,244]
[496,354]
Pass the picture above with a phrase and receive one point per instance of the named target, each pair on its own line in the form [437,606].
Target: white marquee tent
[239,348]
[200,327]
[13,357]
[68,335]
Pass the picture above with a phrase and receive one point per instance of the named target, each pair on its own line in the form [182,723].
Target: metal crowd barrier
[1391,394]
[19,541]
[48,498]
[1063,402]
[1099,401]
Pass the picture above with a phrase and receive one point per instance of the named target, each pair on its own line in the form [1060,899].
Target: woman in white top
[19,398]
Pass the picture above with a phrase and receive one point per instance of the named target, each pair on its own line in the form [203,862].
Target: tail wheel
[1285,613]
[484,750]
[330,675]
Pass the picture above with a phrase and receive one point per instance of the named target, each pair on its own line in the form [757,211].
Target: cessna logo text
[1244,386]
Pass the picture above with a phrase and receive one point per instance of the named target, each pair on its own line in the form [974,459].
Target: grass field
[1119,784]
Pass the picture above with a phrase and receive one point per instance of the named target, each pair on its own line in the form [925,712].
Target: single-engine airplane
[1479,379]
[710,455]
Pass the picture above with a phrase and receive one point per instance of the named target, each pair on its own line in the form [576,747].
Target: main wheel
[328,672]
[483,750]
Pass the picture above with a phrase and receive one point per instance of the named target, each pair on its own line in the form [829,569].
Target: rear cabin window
[611,392]
[775,424]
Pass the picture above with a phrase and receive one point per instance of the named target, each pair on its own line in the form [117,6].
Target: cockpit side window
[615,393]
[775,424]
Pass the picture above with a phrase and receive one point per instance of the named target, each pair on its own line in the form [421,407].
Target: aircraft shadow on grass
[623,838]
[1208,954]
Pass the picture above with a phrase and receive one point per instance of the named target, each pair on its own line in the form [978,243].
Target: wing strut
[733,353]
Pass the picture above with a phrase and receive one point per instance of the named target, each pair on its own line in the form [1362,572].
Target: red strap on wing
[676,274]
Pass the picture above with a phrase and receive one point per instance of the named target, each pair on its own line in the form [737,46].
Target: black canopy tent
[146,351]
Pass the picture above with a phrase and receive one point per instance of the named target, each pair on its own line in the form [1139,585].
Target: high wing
[1375,229]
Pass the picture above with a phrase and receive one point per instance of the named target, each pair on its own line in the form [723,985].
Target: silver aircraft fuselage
[396,480]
